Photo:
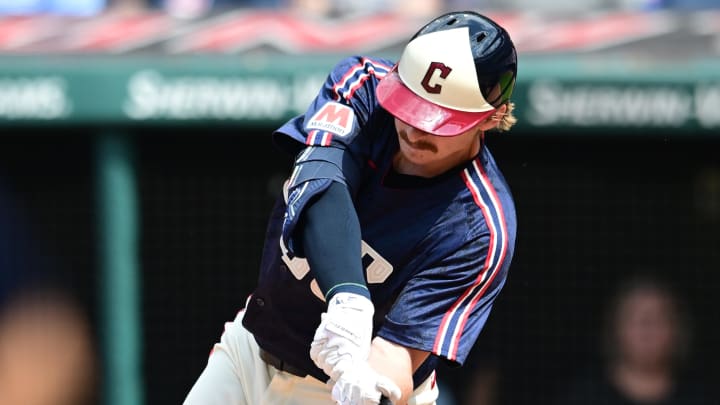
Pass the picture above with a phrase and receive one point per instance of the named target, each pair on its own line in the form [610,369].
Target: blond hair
[508,119]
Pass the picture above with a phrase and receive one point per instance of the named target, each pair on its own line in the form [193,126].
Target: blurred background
[137,173]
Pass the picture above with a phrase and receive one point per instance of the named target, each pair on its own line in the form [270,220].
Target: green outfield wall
[553,93]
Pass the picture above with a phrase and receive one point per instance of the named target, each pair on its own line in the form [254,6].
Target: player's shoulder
[352,72]
[367,64]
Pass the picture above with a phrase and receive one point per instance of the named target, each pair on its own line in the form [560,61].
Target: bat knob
[385,400]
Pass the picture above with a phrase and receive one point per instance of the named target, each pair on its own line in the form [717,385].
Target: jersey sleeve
[341,108]
[329,137]
[443,307]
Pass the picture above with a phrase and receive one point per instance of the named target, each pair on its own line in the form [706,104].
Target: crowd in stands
[335,7]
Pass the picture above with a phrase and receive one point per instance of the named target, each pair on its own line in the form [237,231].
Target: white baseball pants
[235,375]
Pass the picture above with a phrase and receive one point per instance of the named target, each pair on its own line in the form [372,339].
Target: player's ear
[494,119]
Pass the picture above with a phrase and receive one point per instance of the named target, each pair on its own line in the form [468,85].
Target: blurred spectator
[678,5]
[46,354]
[336,8]
[312,8]
[419,9]
[647,343]
[349,8]
[690,4]
[65,7]
[199,8]
[45,351]
[127,6]
[560,7]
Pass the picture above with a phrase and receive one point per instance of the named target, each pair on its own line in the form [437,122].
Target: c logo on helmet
[444,72]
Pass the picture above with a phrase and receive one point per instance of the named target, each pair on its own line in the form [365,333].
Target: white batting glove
[361,385]
[344,334]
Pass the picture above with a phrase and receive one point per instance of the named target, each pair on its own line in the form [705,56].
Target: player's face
[427,155]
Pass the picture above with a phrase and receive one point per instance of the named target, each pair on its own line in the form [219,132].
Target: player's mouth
[419,145]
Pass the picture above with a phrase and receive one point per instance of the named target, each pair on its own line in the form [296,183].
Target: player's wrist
[350,300]
[351,288]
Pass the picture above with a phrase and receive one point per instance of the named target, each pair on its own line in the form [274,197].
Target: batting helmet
[452,74]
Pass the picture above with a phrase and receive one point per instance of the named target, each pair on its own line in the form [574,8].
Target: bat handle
[385,400]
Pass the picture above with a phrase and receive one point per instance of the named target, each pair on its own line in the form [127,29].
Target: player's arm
[396,362]
[330,235]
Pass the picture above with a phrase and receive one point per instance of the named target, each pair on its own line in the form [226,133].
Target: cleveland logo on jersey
[333,117]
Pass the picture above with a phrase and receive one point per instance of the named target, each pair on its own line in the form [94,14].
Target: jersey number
[377,269]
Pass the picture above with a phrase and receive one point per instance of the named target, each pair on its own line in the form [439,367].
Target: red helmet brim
[412,109]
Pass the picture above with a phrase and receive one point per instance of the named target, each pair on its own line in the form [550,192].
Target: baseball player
[394,234]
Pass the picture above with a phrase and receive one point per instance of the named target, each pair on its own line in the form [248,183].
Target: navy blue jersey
[435,251]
